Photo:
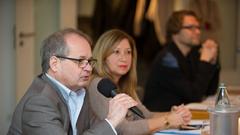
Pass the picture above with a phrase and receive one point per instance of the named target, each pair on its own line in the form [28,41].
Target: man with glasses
[57,103]
[184,71]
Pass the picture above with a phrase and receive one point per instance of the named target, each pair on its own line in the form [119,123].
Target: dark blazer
[43,111]
[176,79]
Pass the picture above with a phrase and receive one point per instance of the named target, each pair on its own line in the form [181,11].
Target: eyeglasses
[81,62]
[191,27]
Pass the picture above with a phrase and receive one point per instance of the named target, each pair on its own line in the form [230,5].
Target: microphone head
[106,87]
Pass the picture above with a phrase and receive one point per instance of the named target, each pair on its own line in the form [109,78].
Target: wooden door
[24,45]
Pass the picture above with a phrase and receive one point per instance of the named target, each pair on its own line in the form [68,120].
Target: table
[200,110]
[200,113]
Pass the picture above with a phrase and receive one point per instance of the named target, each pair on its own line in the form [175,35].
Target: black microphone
[108,89]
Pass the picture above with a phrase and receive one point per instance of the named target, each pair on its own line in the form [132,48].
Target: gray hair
[55,44]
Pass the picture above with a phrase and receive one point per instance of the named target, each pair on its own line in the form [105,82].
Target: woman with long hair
[116,56]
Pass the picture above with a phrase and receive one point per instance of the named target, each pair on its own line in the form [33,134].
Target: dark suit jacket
[43,111]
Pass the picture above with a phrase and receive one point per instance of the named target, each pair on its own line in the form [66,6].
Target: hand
[209,51]
[184,113]
[175,120]
[118,107]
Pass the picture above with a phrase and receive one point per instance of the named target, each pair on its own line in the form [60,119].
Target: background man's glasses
[192,27]
[81,62]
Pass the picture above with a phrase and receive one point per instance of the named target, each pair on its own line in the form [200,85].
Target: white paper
[184,132]
[178,132]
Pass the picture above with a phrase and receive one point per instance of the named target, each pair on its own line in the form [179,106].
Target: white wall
[229,39]
[51,16]
[228,16]
[46,18]
[7,63]
[238,37]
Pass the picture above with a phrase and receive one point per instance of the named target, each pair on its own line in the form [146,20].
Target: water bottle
[222,99]
[224,116]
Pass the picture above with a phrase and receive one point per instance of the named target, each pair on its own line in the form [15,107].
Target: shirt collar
[65,91]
